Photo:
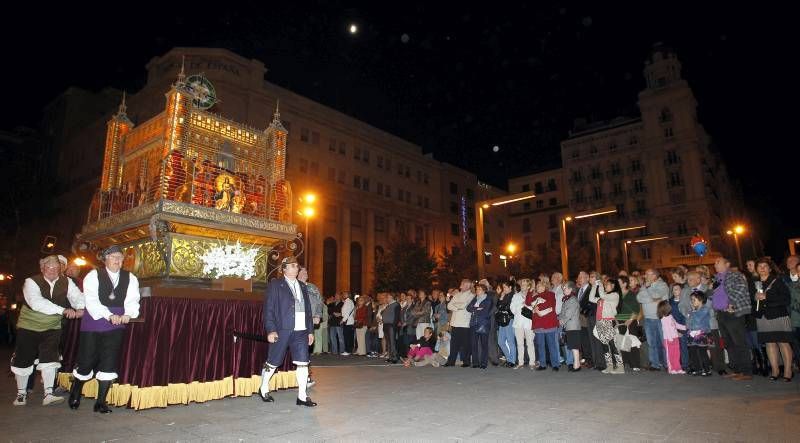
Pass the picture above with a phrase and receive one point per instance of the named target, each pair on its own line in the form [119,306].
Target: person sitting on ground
[421,348]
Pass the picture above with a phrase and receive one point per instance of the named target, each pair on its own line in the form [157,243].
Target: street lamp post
[793,242]
[484,205]
[627,242]
[307,212]
[568,218]
[738,229]
[597,235]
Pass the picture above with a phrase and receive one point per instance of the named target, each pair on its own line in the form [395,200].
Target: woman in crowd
[422,348]
[569,319]
[361,319]
[523,329]
[422,313]
[480,307]
[440,313]
[772,318]
[379,320]
[545,326]
[606,296]
[505,318]
[628,318]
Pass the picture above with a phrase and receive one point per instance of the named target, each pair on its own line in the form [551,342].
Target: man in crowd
[650,295]
[348,322]
[459,322]
[731,302]
[49,297]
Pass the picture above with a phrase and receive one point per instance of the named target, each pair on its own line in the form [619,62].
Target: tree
[456,264]
[405,265]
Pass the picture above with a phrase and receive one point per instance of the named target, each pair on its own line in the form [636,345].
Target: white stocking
[266,374]
[22,383]
[302,382]
[48,378]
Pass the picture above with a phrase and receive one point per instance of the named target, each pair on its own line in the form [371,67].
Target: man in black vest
[112,299]
[48,297]
[287,320]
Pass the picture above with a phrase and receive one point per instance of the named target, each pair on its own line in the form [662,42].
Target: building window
[527,242]
[616,169]
[356,153]
[551,185]
[380,223]
[665,116]
[342,177]
[472,233]
[583,239]
[426,203]
[641,207]
[470,194]
[634,140]
[342,148]
[400,194]
[579,197]
[553,202]
[526,206]
[612,146]
[577,177]
[365,184]
[526,225]
[453,208]
[332,174]
[675,179]
[593,150]
[597,193]
[454,229]
[500,223]
[332,145]
[638,185]
[365,156]
[487,259]
[453,188]
[315,138]
[576,153]
[526,187]
[645,252]
[486,238]
[419,176]
[668,132]
[686,249]
[357,181]
[387,191]
[303,165]
[380,188]
[408,197]
[355,218]
[380,162]
[555,237]
[304,135]
[538,188]
[399,169]
[620,210]
[672,157]
[425,178]
[551,221]
[419,201]
[539,204]
[617,189]
[636,165]
[682,230]
[419,234]
[596,174]
[388,164]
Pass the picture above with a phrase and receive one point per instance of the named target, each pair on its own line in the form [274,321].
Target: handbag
[527,312]
[503,318]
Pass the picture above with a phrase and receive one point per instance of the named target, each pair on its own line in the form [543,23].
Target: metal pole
[479,239]
[792,248]
[625,254]
[597,252]
[738,251]
[307,250]
[564,252]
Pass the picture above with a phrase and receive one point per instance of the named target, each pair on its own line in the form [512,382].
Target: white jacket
[458,305]
[516,308]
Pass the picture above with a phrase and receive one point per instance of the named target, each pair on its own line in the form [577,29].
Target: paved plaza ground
[361,399]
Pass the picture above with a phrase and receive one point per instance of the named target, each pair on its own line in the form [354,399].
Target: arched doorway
[329,257]
[355,267]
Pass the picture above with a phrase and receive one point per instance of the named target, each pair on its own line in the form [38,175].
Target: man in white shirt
[48,297]
[459,322]
[348,322]
[112,300]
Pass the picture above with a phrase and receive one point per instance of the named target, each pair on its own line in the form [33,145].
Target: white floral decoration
[230,260]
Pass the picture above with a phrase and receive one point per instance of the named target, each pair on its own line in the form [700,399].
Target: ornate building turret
[117,128]
[280,191]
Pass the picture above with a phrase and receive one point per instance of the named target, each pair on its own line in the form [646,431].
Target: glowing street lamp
[608,231]
[486,204]
[736,231]
[569,218]
[80,261]
[308,211]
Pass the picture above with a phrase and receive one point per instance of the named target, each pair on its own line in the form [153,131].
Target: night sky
[458,80]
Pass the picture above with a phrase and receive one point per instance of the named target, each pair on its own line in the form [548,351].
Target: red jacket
[550,320]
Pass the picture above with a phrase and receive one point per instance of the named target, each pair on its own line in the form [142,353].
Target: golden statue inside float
[176,185]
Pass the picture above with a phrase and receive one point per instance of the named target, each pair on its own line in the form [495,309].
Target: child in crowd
[569,318]
[669,330]
[698,337]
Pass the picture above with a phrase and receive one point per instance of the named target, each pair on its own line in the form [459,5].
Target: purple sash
[88,324]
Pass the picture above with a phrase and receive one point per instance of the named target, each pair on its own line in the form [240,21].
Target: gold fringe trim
[181,393]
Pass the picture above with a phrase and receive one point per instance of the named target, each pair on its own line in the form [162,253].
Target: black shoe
[465,365]
[265,397]
[693,373]
[306,402]
[541,368]
[475,366]
[598,368]
[75,393]
[102,392]
[555,369]
[705,374]
[484,367]
[571,369]
[722,372]
[653,369]
[448,364]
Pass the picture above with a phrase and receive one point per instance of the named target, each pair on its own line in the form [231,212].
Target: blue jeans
[567,353]
[337,339]
[683,340]
[655,343]
[507,342]
[551,338]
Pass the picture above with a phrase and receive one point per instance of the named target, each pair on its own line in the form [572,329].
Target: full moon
[496,148]
[353,28]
